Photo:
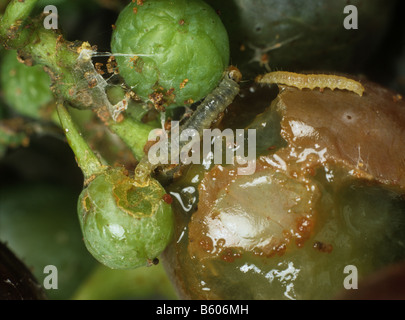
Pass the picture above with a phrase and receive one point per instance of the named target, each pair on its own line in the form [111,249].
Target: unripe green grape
[177,50]
[124,226]
[125,223]
[26,89]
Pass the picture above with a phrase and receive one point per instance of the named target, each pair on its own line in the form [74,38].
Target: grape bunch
[83,106]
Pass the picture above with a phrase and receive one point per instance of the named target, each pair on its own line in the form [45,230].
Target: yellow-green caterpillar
[312,81]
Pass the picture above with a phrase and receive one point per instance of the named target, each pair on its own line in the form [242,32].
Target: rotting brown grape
[327,193]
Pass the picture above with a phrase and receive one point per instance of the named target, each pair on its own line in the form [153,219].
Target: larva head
[124,226]
[176,50]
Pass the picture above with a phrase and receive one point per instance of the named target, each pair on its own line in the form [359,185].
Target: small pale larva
[216,102]
[202,118]
[312,81]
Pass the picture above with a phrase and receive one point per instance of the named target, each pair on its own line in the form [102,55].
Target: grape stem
[11,23]
[16,131]
[134,133]
[85,157]
[37,45]
[66,65]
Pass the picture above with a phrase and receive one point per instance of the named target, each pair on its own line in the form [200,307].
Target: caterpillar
[215,102]
[312,81]
[202,118]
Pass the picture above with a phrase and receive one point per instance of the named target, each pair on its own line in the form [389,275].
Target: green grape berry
[26,89]
[124,226]
[170,52]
